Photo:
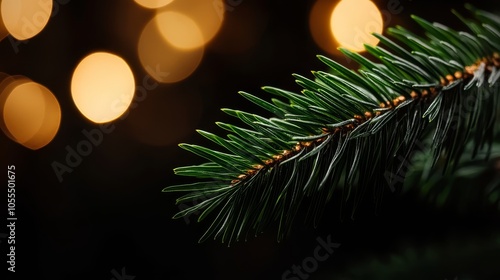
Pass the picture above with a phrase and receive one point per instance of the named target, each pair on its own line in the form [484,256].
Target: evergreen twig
[349,128]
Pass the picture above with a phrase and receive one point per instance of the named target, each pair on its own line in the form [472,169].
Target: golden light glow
[6,86]
[179,30]
[102,87]
[153,4]
[164,62]
[24,19]
[30,112]
[207,16]
[353,21]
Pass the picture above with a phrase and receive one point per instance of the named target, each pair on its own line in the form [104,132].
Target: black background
[109,213]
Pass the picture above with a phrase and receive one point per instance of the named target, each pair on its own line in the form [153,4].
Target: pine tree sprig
[349,130]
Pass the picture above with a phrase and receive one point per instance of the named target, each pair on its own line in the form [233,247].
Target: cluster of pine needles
[346,130]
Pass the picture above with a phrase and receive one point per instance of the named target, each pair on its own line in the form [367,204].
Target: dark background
[109,213]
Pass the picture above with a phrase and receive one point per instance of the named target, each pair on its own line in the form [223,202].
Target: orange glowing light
[102,87]
[353,21]
[30,112]
[207,16]
[24,19]
[164,62]
[179,30]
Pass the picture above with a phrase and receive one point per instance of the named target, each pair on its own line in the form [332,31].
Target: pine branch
[349,130]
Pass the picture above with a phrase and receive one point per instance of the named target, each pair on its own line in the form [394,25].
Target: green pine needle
[348,130]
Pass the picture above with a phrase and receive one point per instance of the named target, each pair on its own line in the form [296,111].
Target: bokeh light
[207,16]
[6,85]
[24,19]
[172,44]
[30,113]
[154,4]
[353,21]
[179,30]
[102,87]
[161,60]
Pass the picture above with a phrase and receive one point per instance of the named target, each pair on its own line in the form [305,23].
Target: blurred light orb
[205,16]
[102,87]
[31,114]
[179,30]
[353,21]
[162,61]
[24,19]
[153,4]
[7,85]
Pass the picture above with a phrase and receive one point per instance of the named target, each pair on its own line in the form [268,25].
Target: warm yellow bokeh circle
[179,30]
[353,21]
[30,113]
[24,19]
[102,87]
